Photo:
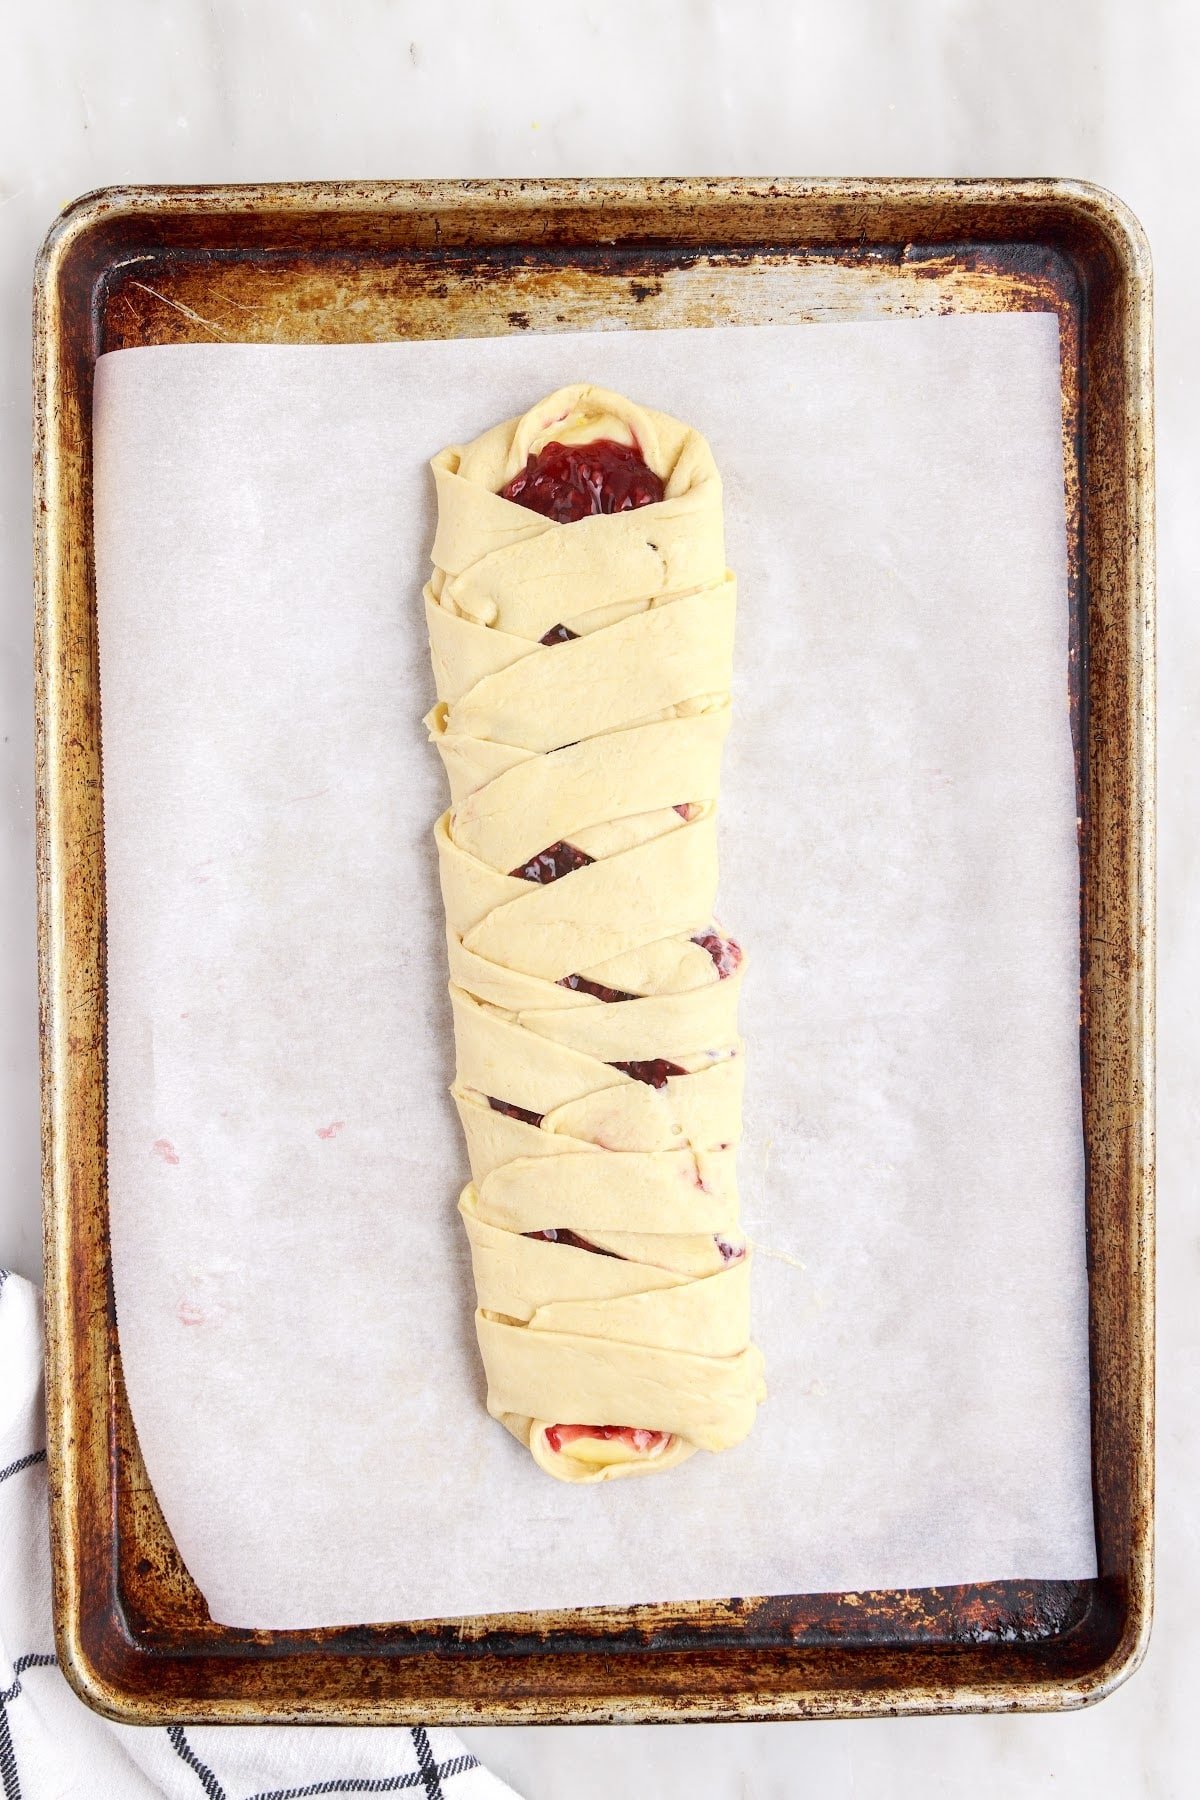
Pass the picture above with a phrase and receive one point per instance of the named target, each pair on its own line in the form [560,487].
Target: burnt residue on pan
[273,297]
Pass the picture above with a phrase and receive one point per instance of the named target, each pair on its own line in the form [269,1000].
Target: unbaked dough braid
[583,674]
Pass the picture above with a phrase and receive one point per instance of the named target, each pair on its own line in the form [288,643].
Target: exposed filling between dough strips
[581,624]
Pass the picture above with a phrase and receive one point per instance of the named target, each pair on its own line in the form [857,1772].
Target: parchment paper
[898,856]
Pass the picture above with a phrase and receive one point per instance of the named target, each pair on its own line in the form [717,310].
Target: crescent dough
[599,1068]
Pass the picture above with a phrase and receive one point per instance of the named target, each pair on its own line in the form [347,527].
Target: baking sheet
[898,855]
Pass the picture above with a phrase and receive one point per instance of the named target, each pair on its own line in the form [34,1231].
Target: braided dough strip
[612,1283]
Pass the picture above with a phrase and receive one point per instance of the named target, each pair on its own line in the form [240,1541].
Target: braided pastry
[581,626]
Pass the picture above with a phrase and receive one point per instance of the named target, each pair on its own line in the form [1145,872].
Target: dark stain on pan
[164,1608]
[282,265]
[186,297]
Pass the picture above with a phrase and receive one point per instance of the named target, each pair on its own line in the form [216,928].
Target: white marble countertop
[226,91]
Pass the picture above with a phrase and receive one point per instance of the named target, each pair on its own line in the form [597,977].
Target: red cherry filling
[726,955]
[655,1073]
[515,1112]
[559,1436]
[566,482]
[553,863]
[552,1236]
[558,634]
[729,1253]
[581,985]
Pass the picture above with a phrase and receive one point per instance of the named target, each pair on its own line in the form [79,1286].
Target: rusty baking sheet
[349,262]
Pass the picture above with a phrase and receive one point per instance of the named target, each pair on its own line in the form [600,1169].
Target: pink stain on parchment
[328,1131]
[165,1148]
[188,1313]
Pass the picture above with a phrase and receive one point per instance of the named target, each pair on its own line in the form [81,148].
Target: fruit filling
[553,863]
[558,634]
[726,954]
[645,1443]
[566,482]
[515,1112]
[552,1236]
[581,985]
[655,1072]
[729,1253]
